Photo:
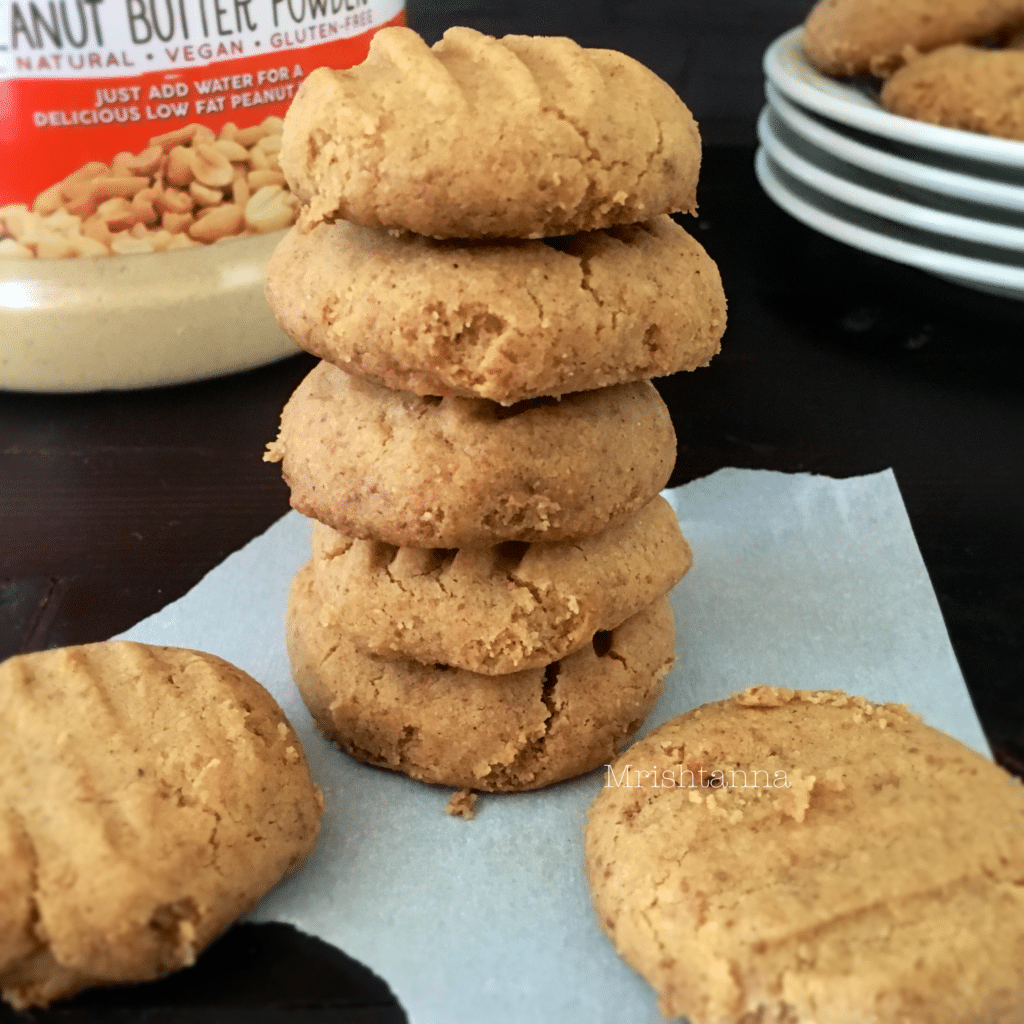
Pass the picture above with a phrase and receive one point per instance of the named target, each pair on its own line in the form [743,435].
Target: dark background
[112,505]
[709,51]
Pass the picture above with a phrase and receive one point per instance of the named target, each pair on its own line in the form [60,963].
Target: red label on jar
[84,80]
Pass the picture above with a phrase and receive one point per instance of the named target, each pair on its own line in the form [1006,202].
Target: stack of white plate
[946,201]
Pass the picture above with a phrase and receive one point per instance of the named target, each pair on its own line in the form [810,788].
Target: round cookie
[148,797]
[377,464]
[477,137]
[804,857]
[505,320]
[492,733]
[500,609]
[848,37]
[962,87]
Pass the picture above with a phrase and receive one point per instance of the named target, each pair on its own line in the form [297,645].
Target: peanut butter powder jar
[141,195]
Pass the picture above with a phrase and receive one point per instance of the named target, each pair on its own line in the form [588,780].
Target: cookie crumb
[763,696]
[462,804]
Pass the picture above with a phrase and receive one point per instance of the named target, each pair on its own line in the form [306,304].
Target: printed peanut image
[188,187]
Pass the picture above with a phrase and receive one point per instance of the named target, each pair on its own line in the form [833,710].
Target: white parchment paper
[798,580]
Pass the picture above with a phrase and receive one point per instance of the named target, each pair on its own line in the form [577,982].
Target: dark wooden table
[112,505]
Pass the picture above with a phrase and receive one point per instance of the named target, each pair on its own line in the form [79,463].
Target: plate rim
[954,184]
[878,203]
[965,270]
[834,99]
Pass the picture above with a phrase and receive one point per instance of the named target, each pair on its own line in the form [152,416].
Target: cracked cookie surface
[503,320]
[521,137]
[500,609]
[378,464]
[491,733]
[882,882]
[148,797]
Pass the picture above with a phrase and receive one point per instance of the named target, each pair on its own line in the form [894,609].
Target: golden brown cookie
[148,797]
[500,609]
[377,464]
[477,137]
[848,37]
[505,320]
[492,733]
[807,857]
[963,87]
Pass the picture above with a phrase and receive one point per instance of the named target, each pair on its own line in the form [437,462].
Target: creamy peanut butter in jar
[141,194]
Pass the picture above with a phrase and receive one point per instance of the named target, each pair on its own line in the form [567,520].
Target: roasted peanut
[217,222]
[248,137]
[23,225]
[178,171]
[205,196]
[85,245]
[63,223]
[11,217]
[232,150]
[119,187]
[12,250]
[176,222]
[124,244]
[119,165]
[257,179]
[210,167]
[270,209]
[173,200]
[181,241]
[80,200]
[50,245]
[240,191]
[147,161]
[97,229]
[48,200]
[178,137]
[117,213]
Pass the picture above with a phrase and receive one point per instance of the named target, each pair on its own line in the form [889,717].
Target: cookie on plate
[478,137]
[848,37]
[149,796]
[505,320]
[965,87]
[481,732]
[377,464]
[500,609]
[801,856]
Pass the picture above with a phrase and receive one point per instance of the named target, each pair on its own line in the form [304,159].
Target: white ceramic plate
[788,68]
[875,235]
[120,322]
[850,185]
[878,159]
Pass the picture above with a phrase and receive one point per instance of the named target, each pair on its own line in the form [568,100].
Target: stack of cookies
[485,264]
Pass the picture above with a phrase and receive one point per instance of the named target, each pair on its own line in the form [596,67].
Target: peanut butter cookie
[505,320]
[801,856]
[500,609]
[377,464]
[148,797]
[964,87]
[492,733]
[478,137]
